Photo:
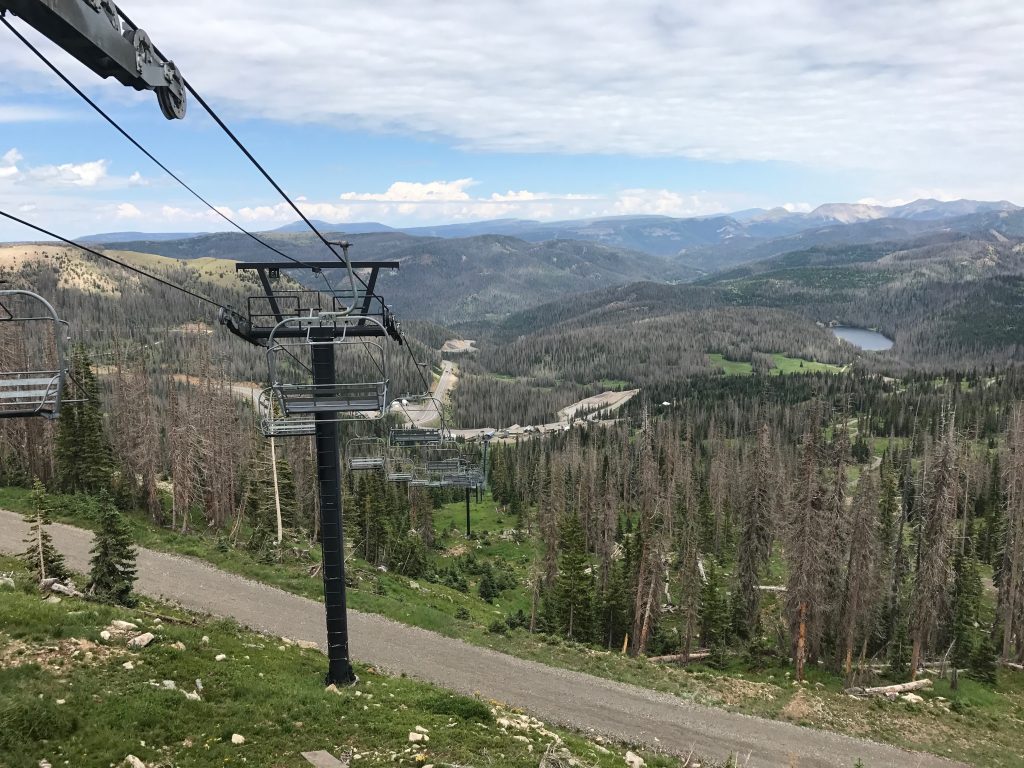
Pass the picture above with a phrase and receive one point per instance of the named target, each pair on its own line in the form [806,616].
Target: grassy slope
[766,692]
[65,696]
[783,366]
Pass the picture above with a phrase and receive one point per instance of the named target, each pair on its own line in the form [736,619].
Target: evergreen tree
[574,588]
[112,567]
[984,664]
[488,588]
[715,614]
[965,610]
[42,558]
[82,452]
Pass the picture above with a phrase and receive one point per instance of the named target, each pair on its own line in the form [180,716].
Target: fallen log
[890,690]
[1012,665]
[680,658]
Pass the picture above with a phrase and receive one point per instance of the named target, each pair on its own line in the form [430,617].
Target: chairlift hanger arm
[95,33]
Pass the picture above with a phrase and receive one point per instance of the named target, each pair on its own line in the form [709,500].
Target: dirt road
[568,698]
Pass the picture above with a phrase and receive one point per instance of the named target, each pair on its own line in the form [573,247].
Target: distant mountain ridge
[656,235]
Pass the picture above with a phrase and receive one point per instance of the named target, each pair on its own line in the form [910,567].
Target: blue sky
[428,113]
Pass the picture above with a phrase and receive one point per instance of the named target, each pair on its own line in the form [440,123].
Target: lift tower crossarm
[95,33]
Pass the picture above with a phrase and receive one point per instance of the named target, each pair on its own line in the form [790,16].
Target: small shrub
[497,627]
[462,613]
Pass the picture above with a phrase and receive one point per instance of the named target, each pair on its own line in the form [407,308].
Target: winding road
[615,710]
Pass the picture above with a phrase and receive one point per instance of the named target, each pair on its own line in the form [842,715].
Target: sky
[441,112]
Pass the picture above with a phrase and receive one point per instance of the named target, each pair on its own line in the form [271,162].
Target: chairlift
[419,411]
[29,325]
[365,453]
[299,398]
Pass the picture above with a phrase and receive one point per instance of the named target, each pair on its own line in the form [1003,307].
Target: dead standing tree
[1011,586]
[938,510]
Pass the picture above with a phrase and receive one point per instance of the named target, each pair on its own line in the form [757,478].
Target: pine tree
[965,610]
[82,451]
[112,567]
[42,558]
[488,588]
[574,588]
[754,547]
[715,614]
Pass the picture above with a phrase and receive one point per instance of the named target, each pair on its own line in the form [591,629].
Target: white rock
[205,640]
[169,685]
[178,645]
[912,698]
[128,665]
[199,684]
[332,688]
[634,760]
[61,701]
[52,600]
[105,636]
[141,641]
[192,695]
[421,729]
[219,657]
[414,736]
[237,738]
[124,626]
[133,762]
[44,763]
[308,645]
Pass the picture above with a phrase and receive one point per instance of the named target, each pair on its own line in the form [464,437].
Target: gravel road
[576,700]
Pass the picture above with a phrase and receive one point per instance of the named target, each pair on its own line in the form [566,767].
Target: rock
[205,640]
[634,760]
[63,589]
[128,665]
[332,688]
[141,641]
[237,738]
[47,584]
[309,645]
[6,582]
[61,701]
[133,762]
[199,684]
[414,736]
[123,626]
[912,698]
[192,695]
[220,657]
[105,636]
[421,729]
[178,645]
[52,600]
[44,763]
[169,685]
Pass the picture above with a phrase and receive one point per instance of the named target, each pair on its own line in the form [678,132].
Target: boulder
[237,738]
[912,698]
[414,736]
[133,762]
[634,760]
[105,635]
[123,626]
[141,641]
[220,657]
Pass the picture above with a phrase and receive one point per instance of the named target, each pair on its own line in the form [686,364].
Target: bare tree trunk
[801,641]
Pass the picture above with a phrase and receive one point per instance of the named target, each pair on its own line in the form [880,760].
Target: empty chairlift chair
[365,454]
[424,427]
[295,401]
[33,368]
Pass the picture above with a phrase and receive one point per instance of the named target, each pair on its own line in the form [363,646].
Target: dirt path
[568,698]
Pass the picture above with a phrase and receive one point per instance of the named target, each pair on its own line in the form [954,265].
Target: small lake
[869,341]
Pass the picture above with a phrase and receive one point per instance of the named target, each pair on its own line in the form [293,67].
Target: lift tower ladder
[319,319]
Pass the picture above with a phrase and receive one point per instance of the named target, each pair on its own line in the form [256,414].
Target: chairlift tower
[285,320]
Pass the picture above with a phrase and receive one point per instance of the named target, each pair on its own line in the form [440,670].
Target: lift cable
[245,151]
[99,110]
[111,259]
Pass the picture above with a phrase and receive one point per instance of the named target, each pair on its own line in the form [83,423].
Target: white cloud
[128,211]
[931,95]
[12,157]
[414,191]
[87,174]
[138,180]
[798,207]
[13,113]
